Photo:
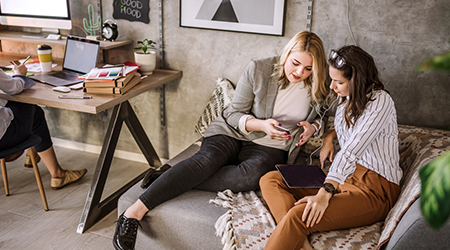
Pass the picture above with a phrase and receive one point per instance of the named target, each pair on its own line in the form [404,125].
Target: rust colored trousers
[363,199]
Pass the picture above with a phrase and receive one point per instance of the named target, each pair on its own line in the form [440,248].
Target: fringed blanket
[247,225]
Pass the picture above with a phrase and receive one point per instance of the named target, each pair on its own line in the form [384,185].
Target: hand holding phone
[282,129]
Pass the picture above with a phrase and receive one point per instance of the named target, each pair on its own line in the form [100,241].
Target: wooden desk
[42,94]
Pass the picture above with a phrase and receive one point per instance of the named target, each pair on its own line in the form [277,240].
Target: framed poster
[250,16]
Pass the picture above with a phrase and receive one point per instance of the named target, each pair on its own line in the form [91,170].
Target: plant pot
[147,61]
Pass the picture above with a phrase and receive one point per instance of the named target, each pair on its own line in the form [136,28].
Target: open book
[109,73]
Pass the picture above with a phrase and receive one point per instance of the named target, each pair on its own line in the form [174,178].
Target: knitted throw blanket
[247,224]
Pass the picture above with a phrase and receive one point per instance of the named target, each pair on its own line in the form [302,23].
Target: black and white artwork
[252,16]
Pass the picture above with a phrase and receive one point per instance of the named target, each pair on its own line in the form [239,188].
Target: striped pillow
[220,99]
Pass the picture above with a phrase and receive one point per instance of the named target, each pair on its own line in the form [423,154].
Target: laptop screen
[81,54]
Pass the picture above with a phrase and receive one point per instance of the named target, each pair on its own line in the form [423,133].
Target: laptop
[80,57]
[302,176]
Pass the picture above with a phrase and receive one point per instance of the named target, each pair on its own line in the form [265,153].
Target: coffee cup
[45,57]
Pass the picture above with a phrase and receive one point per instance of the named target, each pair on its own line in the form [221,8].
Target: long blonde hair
[312,44]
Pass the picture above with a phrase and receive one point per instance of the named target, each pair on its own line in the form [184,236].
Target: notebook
[302,176]
[80,57]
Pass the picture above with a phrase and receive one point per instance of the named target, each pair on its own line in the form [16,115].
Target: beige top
[292,105]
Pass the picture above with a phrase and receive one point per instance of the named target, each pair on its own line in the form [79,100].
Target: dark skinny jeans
[28,119]
[221,163]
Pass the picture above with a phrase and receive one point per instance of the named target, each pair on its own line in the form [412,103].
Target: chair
[28,145]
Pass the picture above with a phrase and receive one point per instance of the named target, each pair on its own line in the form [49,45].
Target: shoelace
[130,227]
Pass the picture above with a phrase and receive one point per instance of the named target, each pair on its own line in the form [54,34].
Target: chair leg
[38,177]
[5,176]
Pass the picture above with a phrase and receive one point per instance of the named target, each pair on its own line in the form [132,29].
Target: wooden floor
[24,224]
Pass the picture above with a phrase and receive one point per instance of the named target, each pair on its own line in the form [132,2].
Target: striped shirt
[371,142]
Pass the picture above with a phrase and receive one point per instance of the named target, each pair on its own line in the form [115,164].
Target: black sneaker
[126,231]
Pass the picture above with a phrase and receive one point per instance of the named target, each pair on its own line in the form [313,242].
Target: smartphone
[282,129]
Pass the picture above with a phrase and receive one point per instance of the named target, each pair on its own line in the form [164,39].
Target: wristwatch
[329,188]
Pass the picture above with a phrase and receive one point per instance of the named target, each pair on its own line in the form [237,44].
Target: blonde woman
[243,143]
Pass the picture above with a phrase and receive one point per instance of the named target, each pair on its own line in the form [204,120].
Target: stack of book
[113,80]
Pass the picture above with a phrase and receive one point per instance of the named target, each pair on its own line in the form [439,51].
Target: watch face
[107,32]
[329,188]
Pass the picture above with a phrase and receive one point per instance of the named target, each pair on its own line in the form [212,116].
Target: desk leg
[94,210]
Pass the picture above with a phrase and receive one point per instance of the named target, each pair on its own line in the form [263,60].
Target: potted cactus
[146,56]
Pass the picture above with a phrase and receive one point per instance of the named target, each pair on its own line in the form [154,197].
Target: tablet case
[301,176]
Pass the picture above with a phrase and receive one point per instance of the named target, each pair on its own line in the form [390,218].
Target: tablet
[302,176]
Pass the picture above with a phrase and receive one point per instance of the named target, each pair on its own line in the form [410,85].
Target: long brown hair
[360,69]
[311,43]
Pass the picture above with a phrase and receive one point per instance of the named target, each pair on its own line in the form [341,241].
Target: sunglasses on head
[338,60]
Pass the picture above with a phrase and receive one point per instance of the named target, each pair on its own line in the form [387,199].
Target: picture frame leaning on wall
[249,16]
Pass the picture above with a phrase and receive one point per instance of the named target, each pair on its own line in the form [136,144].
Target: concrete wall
[399,34]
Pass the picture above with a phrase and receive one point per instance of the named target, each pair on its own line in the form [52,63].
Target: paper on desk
[32,67]
[9,72]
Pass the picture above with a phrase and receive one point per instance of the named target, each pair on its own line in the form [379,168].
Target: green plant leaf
[435,191]
[146,44]
[436,63]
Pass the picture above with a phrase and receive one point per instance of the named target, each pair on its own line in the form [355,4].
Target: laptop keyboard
[64,75]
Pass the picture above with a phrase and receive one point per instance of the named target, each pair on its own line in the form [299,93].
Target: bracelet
[316,128]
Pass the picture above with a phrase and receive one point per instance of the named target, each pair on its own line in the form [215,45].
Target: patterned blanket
[248,223]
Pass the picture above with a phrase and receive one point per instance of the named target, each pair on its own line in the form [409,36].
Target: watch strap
[329,188]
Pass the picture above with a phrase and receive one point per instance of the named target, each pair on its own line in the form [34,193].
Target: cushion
[315,142]
[220,99]
[417,146]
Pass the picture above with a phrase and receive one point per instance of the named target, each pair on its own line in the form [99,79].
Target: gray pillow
[220,99]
